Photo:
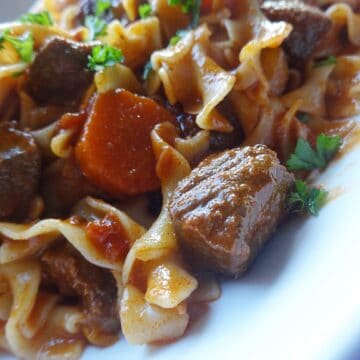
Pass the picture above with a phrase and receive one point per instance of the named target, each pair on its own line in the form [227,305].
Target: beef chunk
[19,170]
[94,286]
[59,74]
[309,26]
[226,209]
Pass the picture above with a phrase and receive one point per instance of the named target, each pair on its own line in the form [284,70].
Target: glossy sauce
[109,237]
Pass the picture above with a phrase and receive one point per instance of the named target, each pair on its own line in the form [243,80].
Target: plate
[300,299]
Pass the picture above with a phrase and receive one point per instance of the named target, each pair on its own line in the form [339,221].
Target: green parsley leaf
[147,70]
[41,18]
[306,158]
[186,5]
[327,146]
[102,6]
[303,117]
[331,60]
[104,56]
[24,44]
[17,74]
[176,38]
[96,27]
[144,10]
[306,199]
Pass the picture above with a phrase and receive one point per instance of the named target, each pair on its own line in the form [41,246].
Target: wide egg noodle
[137,40]
[36,325]
[22,242]
[50,229]
[343,88]
[157,297]
[342,14]
[207,84]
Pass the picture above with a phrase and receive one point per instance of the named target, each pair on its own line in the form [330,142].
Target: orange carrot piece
[114,151]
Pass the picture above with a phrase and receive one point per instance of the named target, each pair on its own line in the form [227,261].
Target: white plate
[300,300]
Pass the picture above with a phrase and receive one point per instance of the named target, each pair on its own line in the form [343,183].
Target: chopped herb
[17,74]
[96,27]
[24,44]
[41,18]
[176,38]
[303,117]
[144,10]
[186,5]
[102,6]
[331,60]
[327,146]
[306,199]
[104,56]
[147,70]
[306,158]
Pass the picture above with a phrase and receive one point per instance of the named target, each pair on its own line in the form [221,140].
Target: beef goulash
[227,208]
[148,146]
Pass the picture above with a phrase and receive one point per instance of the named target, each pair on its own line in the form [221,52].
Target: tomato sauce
[109,237]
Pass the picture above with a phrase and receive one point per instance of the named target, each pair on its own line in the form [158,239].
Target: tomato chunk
[114,151]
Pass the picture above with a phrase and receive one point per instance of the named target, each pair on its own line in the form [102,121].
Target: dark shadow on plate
[353,353]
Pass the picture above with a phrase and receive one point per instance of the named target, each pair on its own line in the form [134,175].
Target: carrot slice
[114,151]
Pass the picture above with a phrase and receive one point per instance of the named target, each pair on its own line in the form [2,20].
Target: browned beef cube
[59,74]
[94,286]
[310,25]
[19,170]
[227,208]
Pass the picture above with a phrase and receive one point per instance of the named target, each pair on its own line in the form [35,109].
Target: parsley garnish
[306,158]
[104,56]
[147,70]
[96,27]
[186,5]
[327,146]
[303,117]
[17,74]
[176,38]
[102,6]
[331,60]
[144,10]
[24,44]
[306,199]
[41,18]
